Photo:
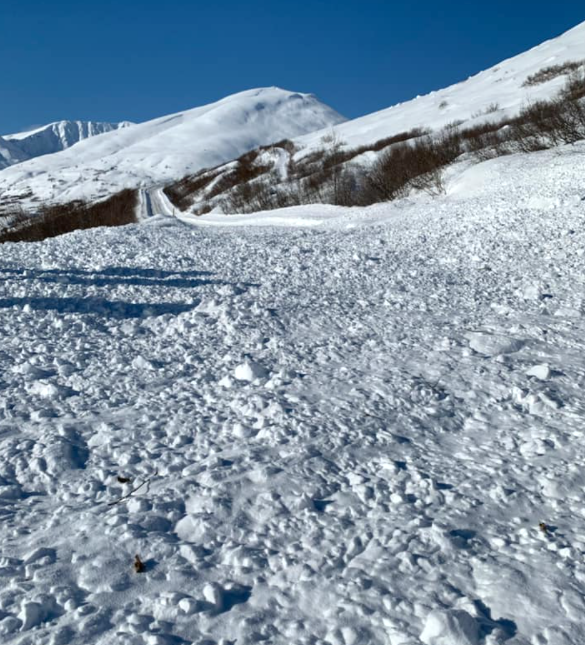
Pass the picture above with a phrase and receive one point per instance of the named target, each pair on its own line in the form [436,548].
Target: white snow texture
[313,426]
[340,433]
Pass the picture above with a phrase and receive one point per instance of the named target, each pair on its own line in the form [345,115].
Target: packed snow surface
[342,433]
[168,148]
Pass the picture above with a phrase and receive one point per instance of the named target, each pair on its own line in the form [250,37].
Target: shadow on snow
[111,276]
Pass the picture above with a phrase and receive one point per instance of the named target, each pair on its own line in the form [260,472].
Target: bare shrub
[454,125]
[552,71]
[285,144]
[182,193]
[486,140]
[418,165]
[225,181]
[574,89]
[309,164]
[247,169]
[545,124]
[400,137]
[118,210]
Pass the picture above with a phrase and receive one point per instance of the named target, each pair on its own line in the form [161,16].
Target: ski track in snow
[344,434]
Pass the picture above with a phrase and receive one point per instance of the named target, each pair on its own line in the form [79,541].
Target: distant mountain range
[48,139]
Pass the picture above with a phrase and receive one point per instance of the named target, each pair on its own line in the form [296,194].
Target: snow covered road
[153,202]
[346,433]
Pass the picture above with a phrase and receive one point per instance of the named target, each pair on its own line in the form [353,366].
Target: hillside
[166,148]
[500,91]
[304,169]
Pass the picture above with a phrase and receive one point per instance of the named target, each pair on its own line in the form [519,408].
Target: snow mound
[493,344]
[249,371]
[455,627]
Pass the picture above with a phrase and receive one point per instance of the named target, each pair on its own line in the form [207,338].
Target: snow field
[345,433]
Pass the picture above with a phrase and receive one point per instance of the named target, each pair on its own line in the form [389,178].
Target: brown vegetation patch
[552,71]
[118,210]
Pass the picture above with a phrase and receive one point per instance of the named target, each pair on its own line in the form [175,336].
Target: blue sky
[135,60]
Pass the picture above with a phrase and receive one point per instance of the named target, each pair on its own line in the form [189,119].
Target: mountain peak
[165,148]
[50,138]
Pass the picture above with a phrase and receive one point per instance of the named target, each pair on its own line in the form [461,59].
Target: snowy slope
[58,136]
[169,147]
[10,153]
[496,94]
[342,434]
[469,100]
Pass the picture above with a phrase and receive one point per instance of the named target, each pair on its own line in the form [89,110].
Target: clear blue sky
[136,60]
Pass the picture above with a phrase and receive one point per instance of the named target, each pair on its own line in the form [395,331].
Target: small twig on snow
[144,483]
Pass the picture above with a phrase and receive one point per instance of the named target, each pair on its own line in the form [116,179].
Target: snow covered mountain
[61,135]
[169,147]
[10,153]
[296,172]
[51,138]
[500,91]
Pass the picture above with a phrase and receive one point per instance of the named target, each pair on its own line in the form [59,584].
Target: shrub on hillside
[485,140]
[574,89]
[546,124]
[413,159]
[51,221]
[182,193]
[552,71]
[417,165]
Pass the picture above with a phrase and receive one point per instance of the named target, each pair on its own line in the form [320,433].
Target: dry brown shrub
[552,71]
[51,221]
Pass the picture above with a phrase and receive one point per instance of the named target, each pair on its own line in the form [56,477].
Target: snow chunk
[44,390]
[31,614]
[9,625]
[455,627]
[493,344]
[213,594]
[249,371]
[189,605]
[541,372]
[141,363]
